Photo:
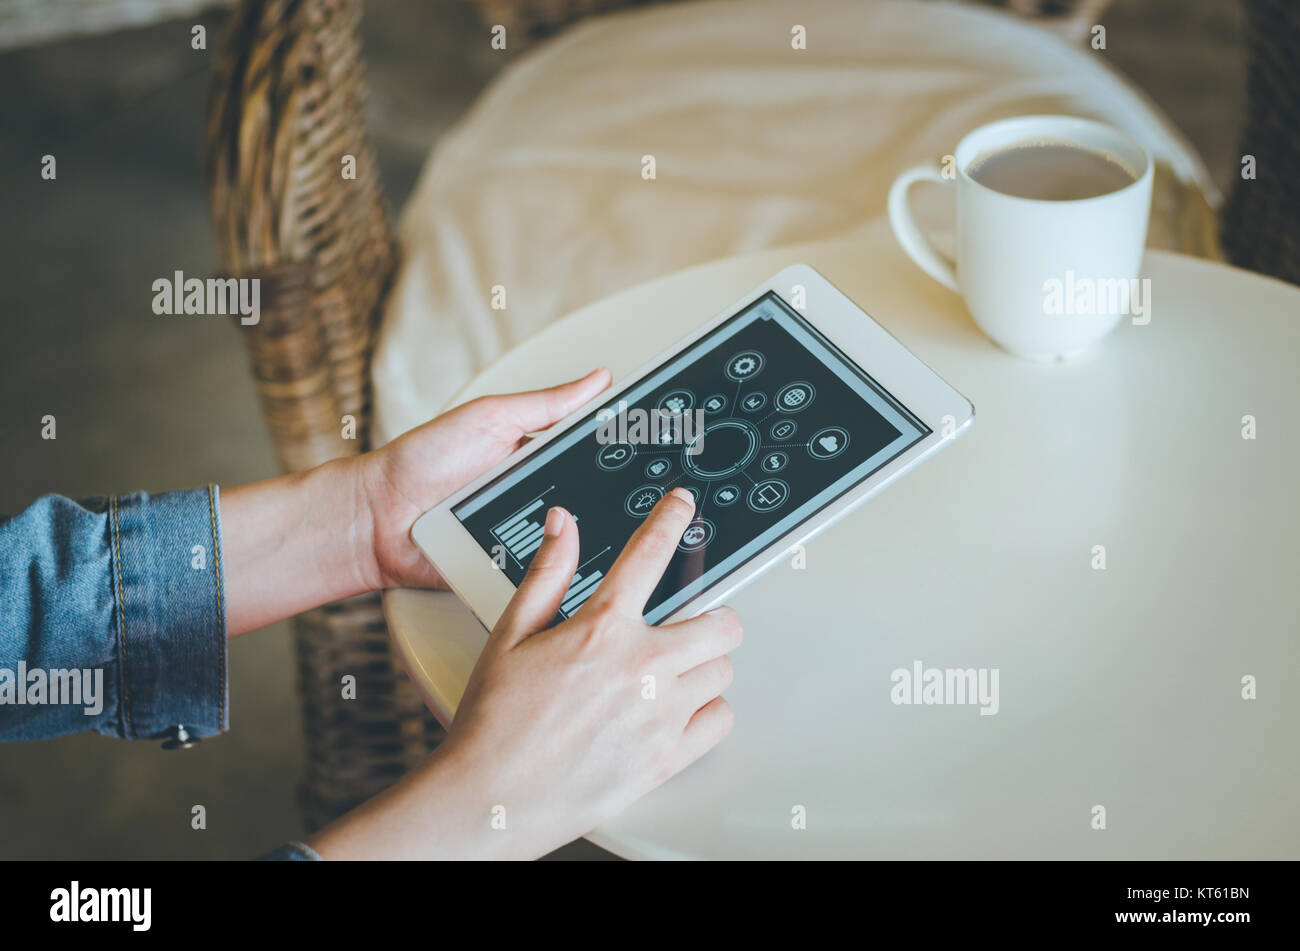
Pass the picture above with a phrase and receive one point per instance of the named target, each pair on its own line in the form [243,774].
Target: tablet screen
[764,420]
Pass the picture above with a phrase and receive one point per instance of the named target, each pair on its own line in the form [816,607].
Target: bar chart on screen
[520,533]
[582,586]
[580,589]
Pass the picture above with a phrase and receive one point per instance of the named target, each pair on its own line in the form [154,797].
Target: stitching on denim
[121,617]
[221,653]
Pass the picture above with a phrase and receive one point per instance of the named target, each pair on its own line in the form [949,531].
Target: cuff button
[180,739]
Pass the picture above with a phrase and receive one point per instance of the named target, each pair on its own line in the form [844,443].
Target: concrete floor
[155,403]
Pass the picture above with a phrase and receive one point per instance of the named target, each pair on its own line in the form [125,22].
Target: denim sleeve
[292,852]
[112,617]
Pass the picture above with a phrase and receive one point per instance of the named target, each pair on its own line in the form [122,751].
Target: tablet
[780,415]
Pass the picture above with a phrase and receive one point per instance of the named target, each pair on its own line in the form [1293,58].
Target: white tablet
[780,414]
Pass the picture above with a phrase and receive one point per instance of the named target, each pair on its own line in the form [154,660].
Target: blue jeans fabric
[130,586]
[292,852]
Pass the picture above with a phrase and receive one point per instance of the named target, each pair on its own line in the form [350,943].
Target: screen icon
[783,430]
[744,365]
[641,501]
[615,456]
[793,397]
[726,495]
[698,534]
[768,495]
[677,401]
[828,443]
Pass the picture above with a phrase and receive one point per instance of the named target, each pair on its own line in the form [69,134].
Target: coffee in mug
[1051,224]
[1051,171]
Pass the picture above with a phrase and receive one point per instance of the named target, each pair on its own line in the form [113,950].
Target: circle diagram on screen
[725,447]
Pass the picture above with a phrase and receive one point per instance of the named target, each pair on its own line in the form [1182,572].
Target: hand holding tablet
[403,478]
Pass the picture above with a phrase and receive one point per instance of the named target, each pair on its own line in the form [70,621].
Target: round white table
[1119,687]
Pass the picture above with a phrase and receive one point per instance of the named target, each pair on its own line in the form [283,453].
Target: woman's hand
[344,528]
[416,471]
[561,728]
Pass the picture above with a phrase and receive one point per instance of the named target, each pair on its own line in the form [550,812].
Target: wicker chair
[286,108]
[1261,220]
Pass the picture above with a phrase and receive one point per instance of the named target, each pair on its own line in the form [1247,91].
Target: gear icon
[744,365]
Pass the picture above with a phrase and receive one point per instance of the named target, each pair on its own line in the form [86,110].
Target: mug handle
[918,247]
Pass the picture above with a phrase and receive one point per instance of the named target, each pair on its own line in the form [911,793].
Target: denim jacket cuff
[292,852]
[170,612]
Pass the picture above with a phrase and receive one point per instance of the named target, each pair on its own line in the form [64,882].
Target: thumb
[548,577]
[535,410]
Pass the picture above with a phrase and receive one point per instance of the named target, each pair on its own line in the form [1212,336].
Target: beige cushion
[540,189]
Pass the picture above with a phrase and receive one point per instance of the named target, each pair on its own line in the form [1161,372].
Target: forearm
[437,811]
[295,542]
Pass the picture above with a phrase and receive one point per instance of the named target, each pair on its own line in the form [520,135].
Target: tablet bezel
[476,579]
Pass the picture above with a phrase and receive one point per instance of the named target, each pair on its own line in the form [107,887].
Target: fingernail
[684,494]
[555,521]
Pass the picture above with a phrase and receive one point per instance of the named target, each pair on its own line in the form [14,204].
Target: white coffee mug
[1044,279]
